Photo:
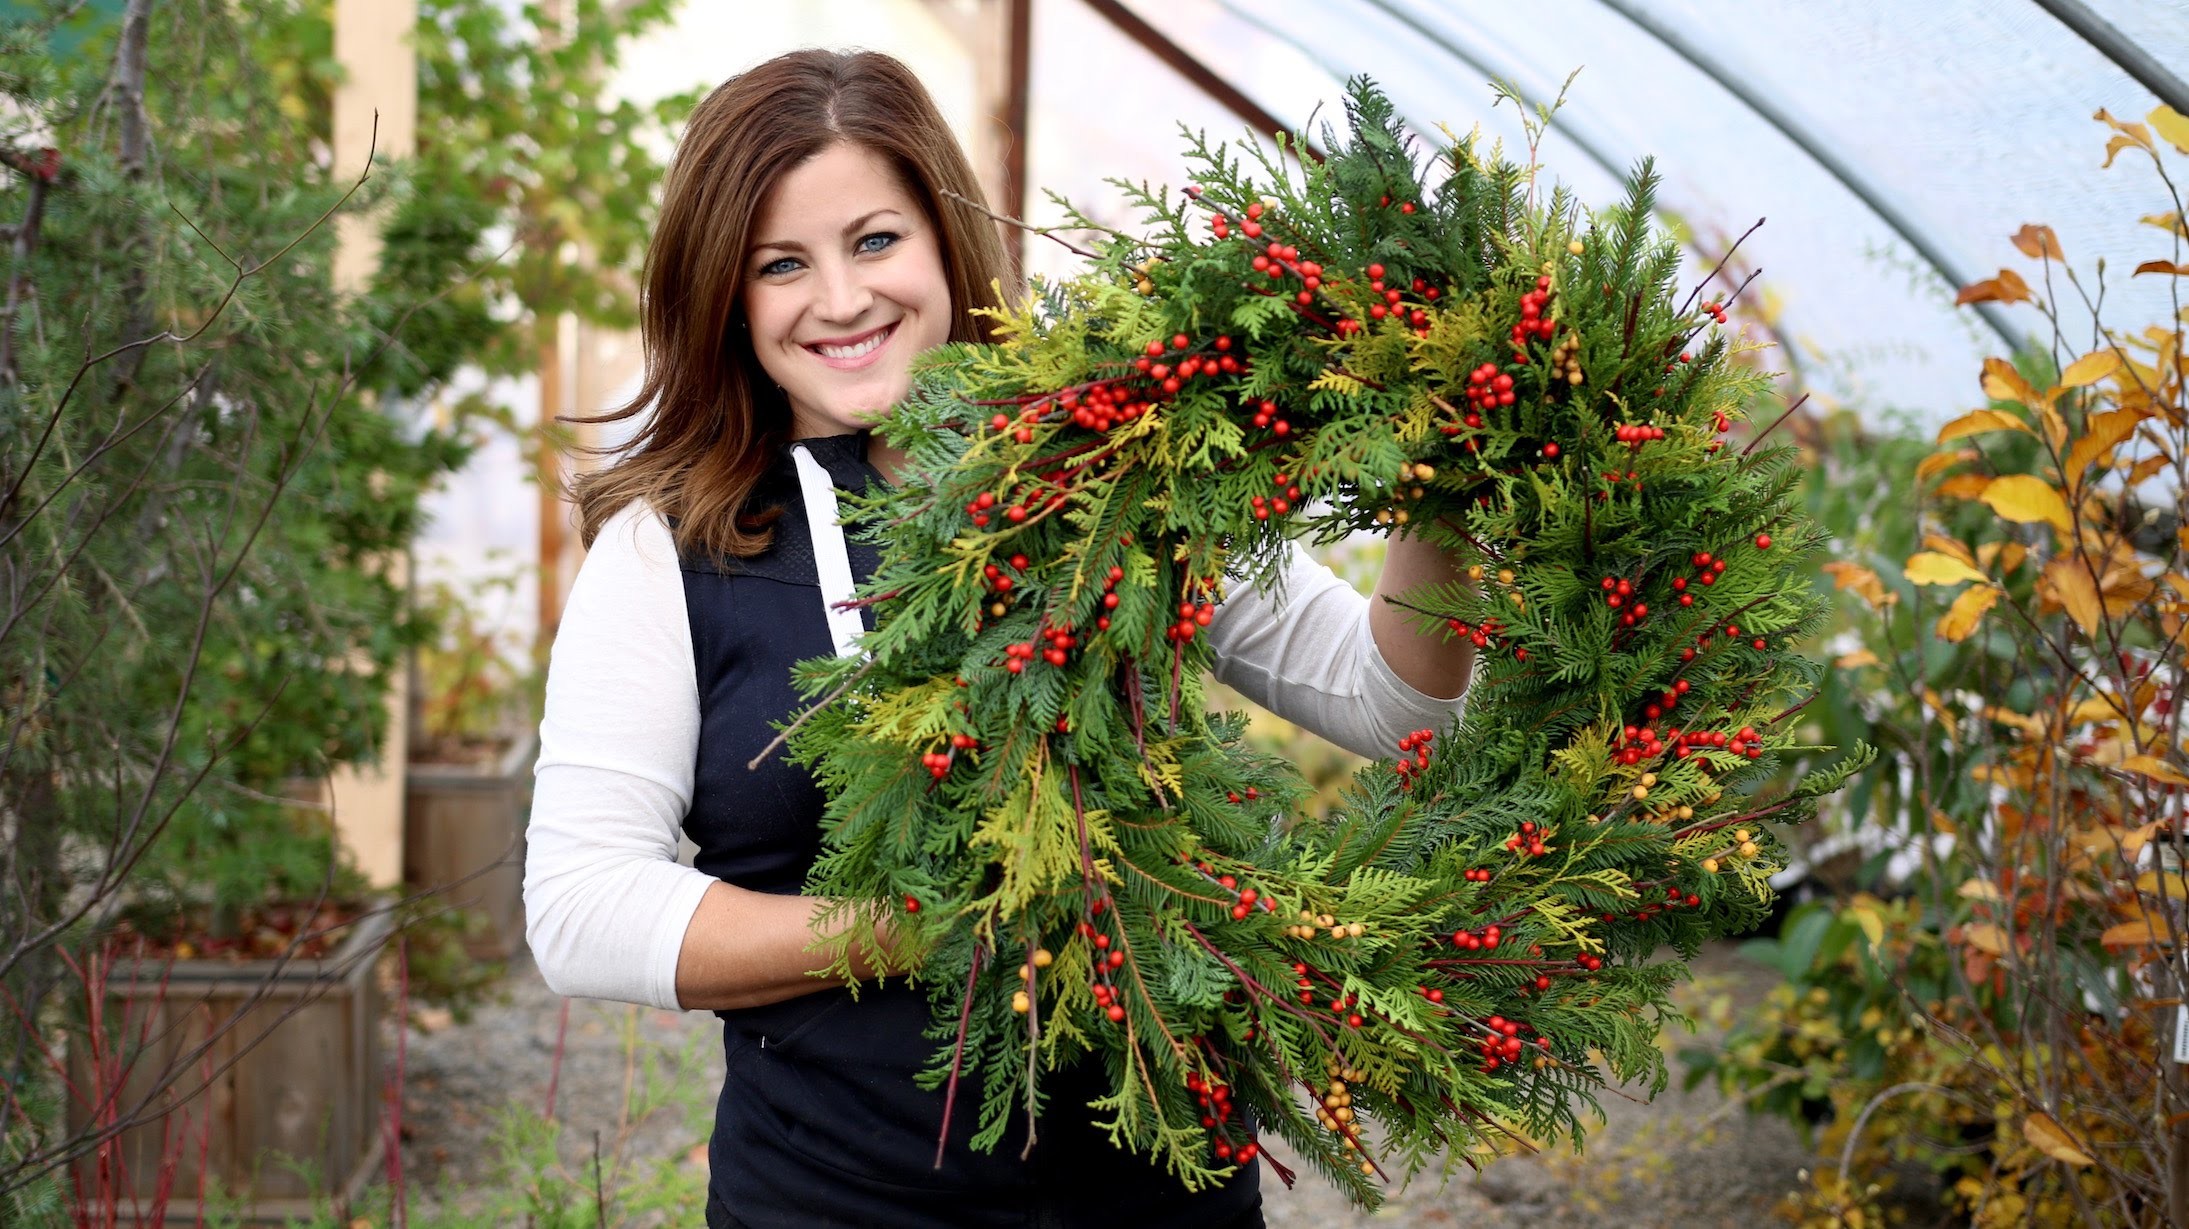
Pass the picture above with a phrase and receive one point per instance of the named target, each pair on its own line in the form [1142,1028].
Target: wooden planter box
[297,1075]
[461,819]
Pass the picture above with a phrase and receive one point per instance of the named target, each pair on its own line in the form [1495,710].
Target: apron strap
[830,558]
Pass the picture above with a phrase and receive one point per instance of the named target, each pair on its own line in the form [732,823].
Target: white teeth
[865,347]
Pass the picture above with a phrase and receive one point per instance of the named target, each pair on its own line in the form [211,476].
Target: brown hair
[717,418]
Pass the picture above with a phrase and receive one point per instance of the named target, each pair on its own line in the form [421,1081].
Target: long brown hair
[717,418]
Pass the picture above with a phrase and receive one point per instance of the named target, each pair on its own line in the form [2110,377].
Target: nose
[843,295]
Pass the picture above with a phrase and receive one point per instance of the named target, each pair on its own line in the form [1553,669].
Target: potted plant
[469,781]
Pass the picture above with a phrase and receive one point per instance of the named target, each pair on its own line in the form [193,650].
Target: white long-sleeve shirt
[606,901]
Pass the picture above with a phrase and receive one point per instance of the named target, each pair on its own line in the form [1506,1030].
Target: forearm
[1430,662]
[745,948]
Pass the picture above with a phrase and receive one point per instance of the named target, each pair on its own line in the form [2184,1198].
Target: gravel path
[1686,1159]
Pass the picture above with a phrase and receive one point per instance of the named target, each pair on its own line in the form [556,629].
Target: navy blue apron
[819,1121]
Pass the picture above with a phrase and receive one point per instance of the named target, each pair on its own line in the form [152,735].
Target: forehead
[832,189]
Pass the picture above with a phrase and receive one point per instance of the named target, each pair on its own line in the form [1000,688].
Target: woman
[809,245]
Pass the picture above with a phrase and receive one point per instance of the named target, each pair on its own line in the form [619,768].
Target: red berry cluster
[1061,642]
[998,580]
[1674,899]
[1617,591]
[1171,379]
[1715,310]
[1483,939]
[1487,388]
[1641,744]
[1504,1045]
[1233,795]
[1634,435]
[1743,742]
[1191,616]
[1415,744]
[1483,633]
[1532,323]
[1109,597]
[1476,875]
[1266,415]
[1404,206]
[1613,478]
[1280,503]
[1216,1109]
[1527,841]
[1104,405]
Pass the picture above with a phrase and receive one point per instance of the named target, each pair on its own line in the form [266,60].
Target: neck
[888,461]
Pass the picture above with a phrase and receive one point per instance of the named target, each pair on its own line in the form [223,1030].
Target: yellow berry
[1020,1003]
[1710,866]
[1504,576]
[1337,1087]
[1748,849]
[1574,247]
[1641,792]
[1042,958]
[1343,1113]
[1740,834]
[1687,812]
[1649,778]
[1399,517]
[1425,471]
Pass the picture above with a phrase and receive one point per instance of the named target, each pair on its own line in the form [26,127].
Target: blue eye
[886,240]
[776,267]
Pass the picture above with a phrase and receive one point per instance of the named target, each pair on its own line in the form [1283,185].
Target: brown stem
[957,1060]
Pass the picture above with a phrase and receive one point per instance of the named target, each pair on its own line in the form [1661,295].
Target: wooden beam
[1017,119]
[1192,69]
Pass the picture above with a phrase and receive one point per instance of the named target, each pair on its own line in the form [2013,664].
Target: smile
[852,352]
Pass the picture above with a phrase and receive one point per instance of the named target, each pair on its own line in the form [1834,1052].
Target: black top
[819,1121]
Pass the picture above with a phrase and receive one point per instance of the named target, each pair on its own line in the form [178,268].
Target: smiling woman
[809,247]
[844,286]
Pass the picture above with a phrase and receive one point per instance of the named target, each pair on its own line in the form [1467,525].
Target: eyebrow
[856,224]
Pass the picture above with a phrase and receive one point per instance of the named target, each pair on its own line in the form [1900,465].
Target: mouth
[850,353]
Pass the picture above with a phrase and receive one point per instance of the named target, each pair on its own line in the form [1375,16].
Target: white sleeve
[1314,662]
[606,902]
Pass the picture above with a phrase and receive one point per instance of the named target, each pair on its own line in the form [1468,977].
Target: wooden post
[372,43]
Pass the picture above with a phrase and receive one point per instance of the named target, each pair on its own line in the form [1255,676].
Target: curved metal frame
[1807,141]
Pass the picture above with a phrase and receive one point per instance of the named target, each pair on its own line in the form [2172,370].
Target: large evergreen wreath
[1078,857]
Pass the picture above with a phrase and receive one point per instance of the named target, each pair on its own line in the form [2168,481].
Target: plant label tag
[2181,1033]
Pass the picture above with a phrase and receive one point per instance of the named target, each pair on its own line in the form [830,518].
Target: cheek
[924,286]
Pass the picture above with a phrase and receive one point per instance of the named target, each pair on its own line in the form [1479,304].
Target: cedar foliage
[1083,834]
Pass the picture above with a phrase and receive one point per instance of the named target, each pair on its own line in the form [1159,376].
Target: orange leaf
[2000,558]
[2172,125]
[1976,421]
[2148,466]
[1858,658]
[2101,433]
[1960,620]
[2130,934]
[2036,241]
[1949,546]
[2090,368]
[1862,580]
[2046,1136]
[2003,383]
[2155,768]
[2171,223]
[2077,591]
[2023,498]
[2008,287]
[1932,568]
[2161,266]
[1932,464]
[1964,486]
[1985,936]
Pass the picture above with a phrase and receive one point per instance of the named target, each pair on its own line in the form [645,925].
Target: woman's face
[844,283]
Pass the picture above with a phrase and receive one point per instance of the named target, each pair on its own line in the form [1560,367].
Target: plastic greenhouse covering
[1893,147]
